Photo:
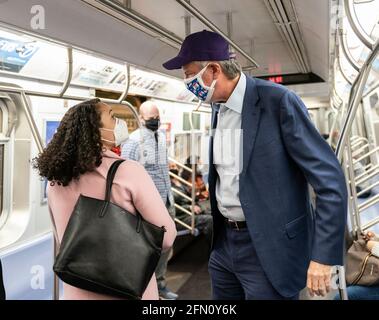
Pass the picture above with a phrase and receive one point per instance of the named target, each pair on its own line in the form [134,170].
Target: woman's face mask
[196,85]
[120,133]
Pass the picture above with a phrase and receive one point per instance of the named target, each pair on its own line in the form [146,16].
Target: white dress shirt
[227,153]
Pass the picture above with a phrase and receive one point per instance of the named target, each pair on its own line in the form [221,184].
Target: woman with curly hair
[77,160]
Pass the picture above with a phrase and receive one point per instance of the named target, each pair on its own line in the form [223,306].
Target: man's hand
[369,236]
[318,281]
[197,210]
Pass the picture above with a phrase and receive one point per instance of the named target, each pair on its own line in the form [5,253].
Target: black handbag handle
[108,188]
[110,177]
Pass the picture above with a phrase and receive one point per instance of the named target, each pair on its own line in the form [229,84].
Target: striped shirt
[153,157]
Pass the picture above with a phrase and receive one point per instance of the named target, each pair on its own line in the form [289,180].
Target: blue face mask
[196,85]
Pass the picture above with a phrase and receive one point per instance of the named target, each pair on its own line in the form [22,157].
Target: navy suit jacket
[282,153]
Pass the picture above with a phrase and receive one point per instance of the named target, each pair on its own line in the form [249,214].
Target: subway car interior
[55,54]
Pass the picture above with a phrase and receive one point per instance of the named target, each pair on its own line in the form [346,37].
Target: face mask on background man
[152,124]
[174,171]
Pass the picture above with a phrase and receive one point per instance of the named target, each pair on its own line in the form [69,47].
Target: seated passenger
[358,292]
[203,219]
[201,189]
[77,161]
[201,177]
[201,197]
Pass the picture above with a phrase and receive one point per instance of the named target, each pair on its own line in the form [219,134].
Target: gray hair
[231,68]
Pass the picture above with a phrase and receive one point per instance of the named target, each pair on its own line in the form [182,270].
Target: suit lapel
[251,113]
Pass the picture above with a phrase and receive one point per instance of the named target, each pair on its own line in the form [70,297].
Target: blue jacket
[282,153]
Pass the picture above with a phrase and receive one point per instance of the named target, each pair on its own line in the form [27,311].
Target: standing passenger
[268,242]
[151,144]
[77,161]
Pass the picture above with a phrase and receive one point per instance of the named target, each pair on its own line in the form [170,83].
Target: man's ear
[216,68]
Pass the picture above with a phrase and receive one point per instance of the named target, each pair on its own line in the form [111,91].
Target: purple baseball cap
[200,46]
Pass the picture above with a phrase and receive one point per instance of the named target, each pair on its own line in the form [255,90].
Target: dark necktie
[156,148]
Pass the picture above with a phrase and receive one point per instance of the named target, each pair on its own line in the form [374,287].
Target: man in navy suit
[268,242]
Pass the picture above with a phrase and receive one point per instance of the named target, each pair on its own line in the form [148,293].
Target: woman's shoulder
[132,175]
[131,167]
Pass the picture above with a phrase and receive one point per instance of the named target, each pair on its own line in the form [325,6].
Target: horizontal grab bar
[368,203]
[181,194]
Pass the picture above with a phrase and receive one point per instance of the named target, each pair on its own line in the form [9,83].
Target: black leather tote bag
[106,249]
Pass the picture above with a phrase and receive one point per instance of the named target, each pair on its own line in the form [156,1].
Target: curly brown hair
[76,147]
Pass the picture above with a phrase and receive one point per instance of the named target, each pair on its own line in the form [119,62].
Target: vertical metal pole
[229,28]
[193,191]
[355,99]
[251,52]
[32,123]
[39,143]
[348,187]
[354,198]
[201,17]
[342,283]
[187,22]
[187,27]
[127,80]
[69,72]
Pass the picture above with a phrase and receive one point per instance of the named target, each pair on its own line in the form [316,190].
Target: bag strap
[110,176]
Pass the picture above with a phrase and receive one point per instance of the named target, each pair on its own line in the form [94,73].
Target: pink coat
[132,189]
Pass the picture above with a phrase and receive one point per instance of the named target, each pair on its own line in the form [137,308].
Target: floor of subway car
[187,272]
